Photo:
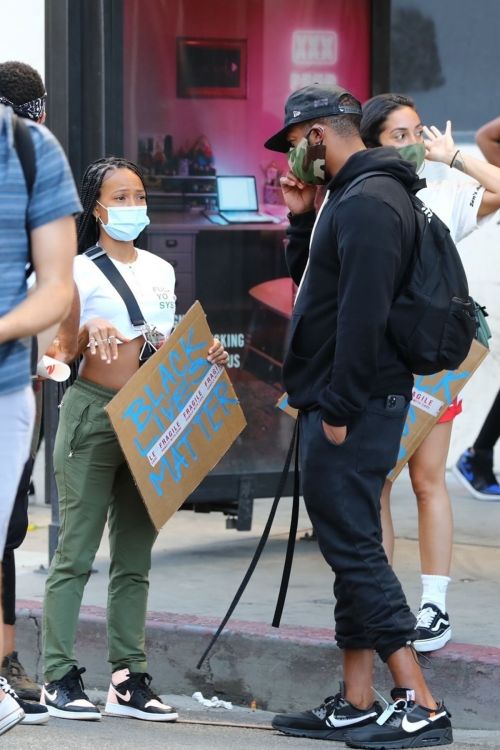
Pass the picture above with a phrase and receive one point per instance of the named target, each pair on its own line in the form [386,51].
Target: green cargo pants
[95,485]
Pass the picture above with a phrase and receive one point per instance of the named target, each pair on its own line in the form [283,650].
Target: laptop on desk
[238,202]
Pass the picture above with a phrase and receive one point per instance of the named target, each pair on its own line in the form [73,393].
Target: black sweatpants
[490,431]
[342,487]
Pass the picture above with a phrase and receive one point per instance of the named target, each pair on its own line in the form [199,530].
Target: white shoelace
[425,617]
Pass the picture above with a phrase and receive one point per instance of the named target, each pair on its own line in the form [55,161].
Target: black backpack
[433,319]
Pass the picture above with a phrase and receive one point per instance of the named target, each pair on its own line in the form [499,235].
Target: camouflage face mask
[308,162]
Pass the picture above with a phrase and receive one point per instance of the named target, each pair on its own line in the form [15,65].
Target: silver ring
[111,338]
[98,341]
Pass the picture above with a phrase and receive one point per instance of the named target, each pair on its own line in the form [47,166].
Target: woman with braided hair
[93,479]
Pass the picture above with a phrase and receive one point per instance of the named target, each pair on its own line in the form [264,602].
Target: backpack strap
[26,154]
[362,178]
[113,275]
[294,444]
[25,151]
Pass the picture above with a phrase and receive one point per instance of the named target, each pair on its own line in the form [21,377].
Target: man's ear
[316,134]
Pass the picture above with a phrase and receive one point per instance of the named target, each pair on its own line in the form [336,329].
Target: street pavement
[199,729]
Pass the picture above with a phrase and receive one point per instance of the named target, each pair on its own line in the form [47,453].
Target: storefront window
[204,87]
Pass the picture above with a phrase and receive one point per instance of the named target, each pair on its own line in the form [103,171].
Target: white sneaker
[34,713]
[10,714]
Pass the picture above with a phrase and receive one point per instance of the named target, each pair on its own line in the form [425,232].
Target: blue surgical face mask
[125,223]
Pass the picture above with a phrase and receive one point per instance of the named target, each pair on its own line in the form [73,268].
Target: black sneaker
[474,469]
[66,699]
[404,724]
[433,628]
[34,713]
[328,721]
[129,695]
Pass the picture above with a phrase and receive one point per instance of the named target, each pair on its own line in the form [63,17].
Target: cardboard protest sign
[283,404]
[176,417]
[432,394]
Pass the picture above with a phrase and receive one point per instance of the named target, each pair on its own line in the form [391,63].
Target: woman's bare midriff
[119,371]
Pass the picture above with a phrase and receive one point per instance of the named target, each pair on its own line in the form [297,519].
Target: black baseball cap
[308,103]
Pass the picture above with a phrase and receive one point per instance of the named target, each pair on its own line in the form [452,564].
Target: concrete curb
[255,664]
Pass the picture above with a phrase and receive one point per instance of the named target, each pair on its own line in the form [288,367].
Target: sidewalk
[197,567]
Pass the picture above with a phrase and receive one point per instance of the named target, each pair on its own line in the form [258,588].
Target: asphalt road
[199,728]
[111,734]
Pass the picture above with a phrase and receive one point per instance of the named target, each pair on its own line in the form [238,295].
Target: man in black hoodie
[352,390]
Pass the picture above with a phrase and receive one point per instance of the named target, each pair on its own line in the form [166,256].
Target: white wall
[22,34]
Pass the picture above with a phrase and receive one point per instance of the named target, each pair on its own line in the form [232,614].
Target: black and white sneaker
[129,695]
[329,721]
[433,627]
[34,713]
[66,699]
[404,724]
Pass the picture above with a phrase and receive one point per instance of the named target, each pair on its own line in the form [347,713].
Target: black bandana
[34,109]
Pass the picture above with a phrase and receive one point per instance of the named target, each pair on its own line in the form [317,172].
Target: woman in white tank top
[94,482]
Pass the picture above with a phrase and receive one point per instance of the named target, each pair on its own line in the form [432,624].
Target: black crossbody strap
[260,547]
[292,535]
[106,265]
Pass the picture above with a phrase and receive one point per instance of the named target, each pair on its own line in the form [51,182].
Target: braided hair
[88,229]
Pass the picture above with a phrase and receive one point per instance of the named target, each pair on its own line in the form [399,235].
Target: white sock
[434,591]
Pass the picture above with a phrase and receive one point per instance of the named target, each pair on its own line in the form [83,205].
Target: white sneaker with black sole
[11,713]
[130,695]
[433,627]
[66,699]
[34,713]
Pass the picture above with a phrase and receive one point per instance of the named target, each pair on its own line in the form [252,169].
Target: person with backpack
[40,217]
[22,89]
[127,298]
[352,388]
[392,120]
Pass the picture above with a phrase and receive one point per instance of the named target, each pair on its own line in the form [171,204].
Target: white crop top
[152,281]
